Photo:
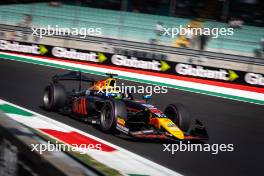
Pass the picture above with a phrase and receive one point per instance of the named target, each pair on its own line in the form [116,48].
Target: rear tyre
[109,112]
[54,97]
[179,115]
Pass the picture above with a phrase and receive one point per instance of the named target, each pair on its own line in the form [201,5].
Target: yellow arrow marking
[42,49]
[164,66]
[101,57]
[232,75]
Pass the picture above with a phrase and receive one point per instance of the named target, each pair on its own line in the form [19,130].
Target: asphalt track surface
[227,122]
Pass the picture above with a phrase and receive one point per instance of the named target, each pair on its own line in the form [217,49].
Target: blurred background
[143,20]
[135,30]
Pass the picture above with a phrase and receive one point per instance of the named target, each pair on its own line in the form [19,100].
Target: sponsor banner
[160,66]
[219,74]
[254,79]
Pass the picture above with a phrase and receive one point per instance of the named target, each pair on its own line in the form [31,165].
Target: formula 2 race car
[117,112]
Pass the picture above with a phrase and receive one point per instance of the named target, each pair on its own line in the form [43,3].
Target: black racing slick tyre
[54,97]
[179,115]
[109,112]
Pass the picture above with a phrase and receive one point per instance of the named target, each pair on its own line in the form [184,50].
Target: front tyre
[179,115]
[109,112]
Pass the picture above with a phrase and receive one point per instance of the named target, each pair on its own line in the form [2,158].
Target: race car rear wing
[72,76]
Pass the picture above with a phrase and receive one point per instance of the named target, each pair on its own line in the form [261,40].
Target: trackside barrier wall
[26,34]
[126,61]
